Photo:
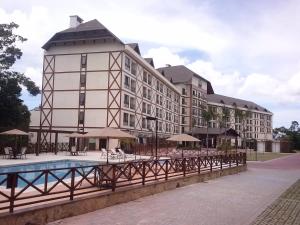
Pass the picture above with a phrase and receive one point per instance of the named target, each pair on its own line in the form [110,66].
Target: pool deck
[45,157]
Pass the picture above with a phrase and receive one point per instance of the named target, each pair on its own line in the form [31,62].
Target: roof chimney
[75,21]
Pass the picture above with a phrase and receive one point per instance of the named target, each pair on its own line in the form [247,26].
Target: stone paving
[284,211]
[231,200]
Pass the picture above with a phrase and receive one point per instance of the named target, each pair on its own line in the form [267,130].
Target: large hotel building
[91,79]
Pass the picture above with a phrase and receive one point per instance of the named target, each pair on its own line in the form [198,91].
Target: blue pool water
[30,176]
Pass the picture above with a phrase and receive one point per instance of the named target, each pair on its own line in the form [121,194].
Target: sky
[247,49]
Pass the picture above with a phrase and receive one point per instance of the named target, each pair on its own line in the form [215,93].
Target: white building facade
[91,80]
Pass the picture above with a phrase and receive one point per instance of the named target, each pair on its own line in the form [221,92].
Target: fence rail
[28,188]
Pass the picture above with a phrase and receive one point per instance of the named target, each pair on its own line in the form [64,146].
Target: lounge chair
[124,155]
[7,153]
[84,150]
[104,153]
[22,153]
[114,154]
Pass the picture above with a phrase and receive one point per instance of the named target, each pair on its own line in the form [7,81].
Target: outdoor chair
[124,155]
[7,153]
[22,153]
[84,150]
[114,154]
[104,153]
[73,150]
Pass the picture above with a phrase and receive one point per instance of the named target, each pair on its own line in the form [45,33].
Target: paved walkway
[284,211]
[235,200]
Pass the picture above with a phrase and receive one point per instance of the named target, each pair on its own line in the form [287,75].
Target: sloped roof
[91,30]
[150,61]
[182,74]
[221,99]
[135,47]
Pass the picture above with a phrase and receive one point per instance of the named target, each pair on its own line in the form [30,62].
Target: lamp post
[156,121]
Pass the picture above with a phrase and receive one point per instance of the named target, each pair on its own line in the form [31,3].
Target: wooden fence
[20,190]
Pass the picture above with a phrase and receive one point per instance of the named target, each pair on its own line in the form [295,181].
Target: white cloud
[163,56]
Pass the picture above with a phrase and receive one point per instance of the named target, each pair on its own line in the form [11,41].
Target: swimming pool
[58,168]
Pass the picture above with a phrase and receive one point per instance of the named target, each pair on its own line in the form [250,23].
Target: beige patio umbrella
[15,133]
[108,132]
[75,135]
[183,137]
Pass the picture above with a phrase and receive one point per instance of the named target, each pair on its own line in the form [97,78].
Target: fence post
[144,173]
[211,163]
[229,156]
[166,171]
[221,161]
[183,166]
[237,156]
[113,182]
[46,181]
[72,183]
[14,178]
[199,164]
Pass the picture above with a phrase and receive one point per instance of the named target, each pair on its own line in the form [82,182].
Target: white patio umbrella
[108,132]
[183,137]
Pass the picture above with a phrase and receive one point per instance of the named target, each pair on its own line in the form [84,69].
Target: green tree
[242,116]
[207,115]
[13,113]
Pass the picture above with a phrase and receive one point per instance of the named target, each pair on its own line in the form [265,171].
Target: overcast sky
[247,49]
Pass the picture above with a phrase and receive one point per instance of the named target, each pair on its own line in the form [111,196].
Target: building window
[125,119]
[161,88]
[81,98]
[127,82]
[83,61]
[183,91]
[132,102]
[148,109]
[149,94]
[132,121]
[144,123]
[126,101]
[81,117]
[127,63]
[133,85]
[82,80]
[144,92]
[133,68]
[149,79]
[145,76]
[144,108]
[199,84]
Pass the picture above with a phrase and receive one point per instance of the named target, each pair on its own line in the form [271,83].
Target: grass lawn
[251,156]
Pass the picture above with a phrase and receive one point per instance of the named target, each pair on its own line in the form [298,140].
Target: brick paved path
[284,211]
[232,200]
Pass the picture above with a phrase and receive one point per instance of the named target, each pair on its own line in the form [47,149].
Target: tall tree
[13,113]
[242,117]
[207,115]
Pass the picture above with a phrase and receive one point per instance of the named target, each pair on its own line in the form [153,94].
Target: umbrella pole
[107,146]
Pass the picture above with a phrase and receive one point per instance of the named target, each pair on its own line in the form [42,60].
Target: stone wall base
[41,215]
